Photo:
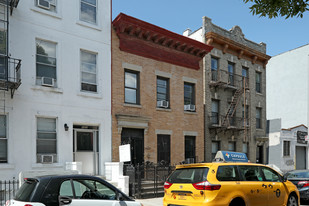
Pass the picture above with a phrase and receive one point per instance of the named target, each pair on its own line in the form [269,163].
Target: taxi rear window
[189,175]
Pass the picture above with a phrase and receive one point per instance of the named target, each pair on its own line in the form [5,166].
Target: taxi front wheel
[292,201]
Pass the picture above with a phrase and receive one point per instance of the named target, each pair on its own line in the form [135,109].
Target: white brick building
[61,112]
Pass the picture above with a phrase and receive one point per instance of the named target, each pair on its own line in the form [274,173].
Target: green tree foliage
[276,8]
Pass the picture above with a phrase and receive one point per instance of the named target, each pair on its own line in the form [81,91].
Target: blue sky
[279,34]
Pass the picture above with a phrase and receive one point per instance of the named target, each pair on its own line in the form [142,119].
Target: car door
[82,192]
[252,185]
[276,189]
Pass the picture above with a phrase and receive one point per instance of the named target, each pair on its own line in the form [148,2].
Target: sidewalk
[151,202]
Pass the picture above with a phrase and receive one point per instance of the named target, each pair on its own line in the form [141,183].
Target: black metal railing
[10,69]
[147,180]
[8,190]
[217,120]
[229,79]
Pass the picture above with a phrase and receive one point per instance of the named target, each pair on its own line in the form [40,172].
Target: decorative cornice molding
[242,50]
[147,40]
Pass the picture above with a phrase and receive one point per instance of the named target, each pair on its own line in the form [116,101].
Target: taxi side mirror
[285,178]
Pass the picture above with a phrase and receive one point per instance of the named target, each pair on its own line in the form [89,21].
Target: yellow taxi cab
[231,181]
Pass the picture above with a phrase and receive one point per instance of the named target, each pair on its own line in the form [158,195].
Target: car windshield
[302,174]
[25,191]
[188,175]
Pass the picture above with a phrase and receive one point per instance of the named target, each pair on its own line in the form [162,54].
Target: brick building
[235,92]
[157,79]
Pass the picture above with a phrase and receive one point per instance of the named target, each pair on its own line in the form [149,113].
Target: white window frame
[37,136]
[39,79]
[96,72]
[80,12]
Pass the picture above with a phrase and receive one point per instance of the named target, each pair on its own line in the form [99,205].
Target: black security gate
[147,180]
[8,190]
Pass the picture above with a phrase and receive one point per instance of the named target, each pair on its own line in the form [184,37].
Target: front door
[301,158]
[134,137]
[86,150]
[164,149]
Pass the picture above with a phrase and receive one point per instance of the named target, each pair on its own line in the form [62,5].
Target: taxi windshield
[189,175]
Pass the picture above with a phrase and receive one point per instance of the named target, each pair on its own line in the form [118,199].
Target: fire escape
[10,78]
[239,87]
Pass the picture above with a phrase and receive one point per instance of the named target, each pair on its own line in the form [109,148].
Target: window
[286,148]
[164,149]
[214,69]
[88,11]
[232,146]
[87,189]
[88,71]
[189,94]
[3,53]
[3,140]
[250,173]
[49,5]
[131,87]
[46,137]
[46,69]
[245,148]
[258,118]
[215,147]
[215,112]
[232,112]
[245,77]
[190,149]
[231,73]
[227,173]
[270,175]
[163,92]
[258,82]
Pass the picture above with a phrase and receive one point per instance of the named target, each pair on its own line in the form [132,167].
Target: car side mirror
[285,178]
[64,200]
[120,197]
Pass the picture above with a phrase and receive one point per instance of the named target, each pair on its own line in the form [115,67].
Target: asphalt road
[159,202]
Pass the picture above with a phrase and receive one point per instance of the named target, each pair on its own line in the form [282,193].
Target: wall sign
[301,137]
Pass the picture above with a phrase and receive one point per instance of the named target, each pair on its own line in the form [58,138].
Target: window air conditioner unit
[47,159]
[189,107]
[43,4]
[48,82]
[162,103]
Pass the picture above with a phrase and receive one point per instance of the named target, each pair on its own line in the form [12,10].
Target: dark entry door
[301,158]
[259,155]
[134,137]
[164,149]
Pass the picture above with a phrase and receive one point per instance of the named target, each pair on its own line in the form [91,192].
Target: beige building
[235,92]
[157,77]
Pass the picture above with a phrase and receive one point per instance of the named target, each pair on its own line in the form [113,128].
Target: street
[159,202]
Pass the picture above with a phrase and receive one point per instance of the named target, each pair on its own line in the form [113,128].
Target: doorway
[85,149]
[301,158]
[134,137]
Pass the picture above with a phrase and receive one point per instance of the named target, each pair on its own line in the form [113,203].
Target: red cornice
[147,40]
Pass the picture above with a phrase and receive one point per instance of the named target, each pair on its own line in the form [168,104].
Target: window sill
[53,165]
[46,12]
[47,89]
[188,112]
[132,105]
[163,109]
[90,95]
[260,94]
[6,166]
[88,25]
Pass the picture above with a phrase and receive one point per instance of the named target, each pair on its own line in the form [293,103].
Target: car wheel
[292,201]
